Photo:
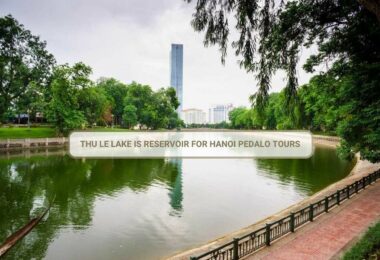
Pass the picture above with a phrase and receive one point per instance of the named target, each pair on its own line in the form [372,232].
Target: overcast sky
[130,41]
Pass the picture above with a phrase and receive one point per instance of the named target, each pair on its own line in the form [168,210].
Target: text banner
[192,144]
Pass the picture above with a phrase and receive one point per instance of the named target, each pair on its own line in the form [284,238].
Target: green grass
[368,247]
[24,132]
[43,132]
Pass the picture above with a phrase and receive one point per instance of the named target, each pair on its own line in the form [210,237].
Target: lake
[148,209]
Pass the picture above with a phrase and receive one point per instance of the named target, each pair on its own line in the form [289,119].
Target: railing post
[348,191]
[235,255]
[267,234]
[338,197]
[356,187]
[311,212]
[326,204]
[292,224]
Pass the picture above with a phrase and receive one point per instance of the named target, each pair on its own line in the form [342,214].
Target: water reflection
[310,175]
[27,185]
[176,194]
[146,209]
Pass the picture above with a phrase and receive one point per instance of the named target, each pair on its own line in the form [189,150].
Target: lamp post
[112,121]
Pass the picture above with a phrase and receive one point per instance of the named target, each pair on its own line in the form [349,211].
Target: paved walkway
[330,234]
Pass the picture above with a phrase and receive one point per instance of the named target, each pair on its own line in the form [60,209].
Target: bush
[367,246]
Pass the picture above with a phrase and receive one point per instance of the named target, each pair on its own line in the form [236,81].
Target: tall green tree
[64,108]
[93,103]
[25,65]
[141,97]
[130,116]
[241,118]
[116,91]
[163,106]
[321,102]
[153,109]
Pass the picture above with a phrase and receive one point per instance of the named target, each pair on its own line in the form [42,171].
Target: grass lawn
[368,247]
[43,132]
[24,132]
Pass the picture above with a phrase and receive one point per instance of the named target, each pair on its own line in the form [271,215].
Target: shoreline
[32,143]
[361,168]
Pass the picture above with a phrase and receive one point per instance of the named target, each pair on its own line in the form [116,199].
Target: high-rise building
[194,116]
[219,113]
[176,73]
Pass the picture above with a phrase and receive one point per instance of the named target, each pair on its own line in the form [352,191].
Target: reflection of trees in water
[75,183]
[176,194]
[310,175]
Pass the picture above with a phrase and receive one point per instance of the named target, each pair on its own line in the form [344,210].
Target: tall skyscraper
[176,73]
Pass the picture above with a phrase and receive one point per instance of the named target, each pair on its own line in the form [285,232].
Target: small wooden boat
[19,234]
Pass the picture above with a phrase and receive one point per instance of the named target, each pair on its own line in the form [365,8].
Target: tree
[174,121]
[241,118]
[116,92]
[93,103]
[271,35]
[359,123]
[64,108]
[277,31]
[31,102]
[141,97]
[25,64]
[321,103]
[154,110]
[130,116]
[162,109]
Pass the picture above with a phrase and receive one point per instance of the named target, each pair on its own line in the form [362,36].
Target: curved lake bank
[361,169]
[146,209]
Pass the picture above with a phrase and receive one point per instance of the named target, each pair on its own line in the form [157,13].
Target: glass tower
[176,73]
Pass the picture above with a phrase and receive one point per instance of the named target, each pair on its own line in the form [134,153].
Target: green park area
[43,132]
[24,132]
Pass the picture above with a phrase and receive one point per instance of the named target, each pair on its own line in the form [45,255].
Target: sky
[130,40]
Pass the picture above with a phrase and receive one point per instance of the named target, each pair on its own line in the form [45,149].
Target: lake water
[148,209]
